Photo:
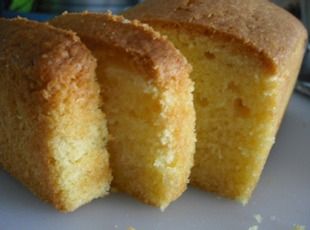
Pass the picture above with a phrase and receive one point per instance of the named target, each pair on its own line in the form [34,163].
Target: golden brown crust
[40,50]
[150,51]
[263,27]
[43,70]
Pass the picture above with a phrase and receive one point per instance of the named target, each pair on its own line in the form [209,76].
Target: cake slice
[246,55]
[147,97]
[52,132]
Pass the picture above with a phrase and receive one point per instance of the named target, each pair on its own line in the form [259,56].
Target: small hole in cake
[209,55]
[51,161]
[133,114]
[113,122]
[183,8]
[241,109]
[232,87]
[155,108]
[203,101]
[190,2]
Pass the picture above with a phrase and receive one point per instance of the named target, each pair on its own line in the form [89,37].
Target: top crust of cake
[151,52]
[268,30]
[41,53]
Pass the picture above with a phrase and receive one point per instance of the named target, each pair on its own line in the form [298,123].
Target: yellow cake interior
[235,99]
[147,97]
[77,141]
[150,155]
[54,141]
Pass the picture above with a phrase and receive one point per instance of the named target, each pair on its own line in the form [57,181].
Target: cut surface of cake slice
[147,97]
[52,131]
[246,55]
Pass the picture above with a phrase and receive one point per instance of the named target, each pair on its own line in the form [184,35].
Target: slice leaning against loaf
[147,97]
[246,55]
[53,132]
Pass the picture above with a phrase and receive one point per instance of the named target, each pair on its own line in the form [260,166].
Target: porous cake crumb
[147,97]
[52,132]
[246,55]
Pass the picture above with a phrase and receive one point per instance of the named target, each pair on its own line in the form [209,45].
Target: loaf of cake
[52,131]
[245,55]
[147,97]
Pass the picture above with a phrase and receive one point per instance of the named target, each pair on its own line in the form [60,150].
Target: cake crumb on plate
[258,218]
[299,227]
[254,227]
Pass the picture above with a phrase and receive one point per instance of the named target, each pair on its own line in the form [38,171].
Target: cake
[147,98]
[246,55]
[52,131]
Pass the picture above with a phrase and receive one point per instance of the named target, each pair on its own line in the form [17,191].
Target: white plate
[282,196]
